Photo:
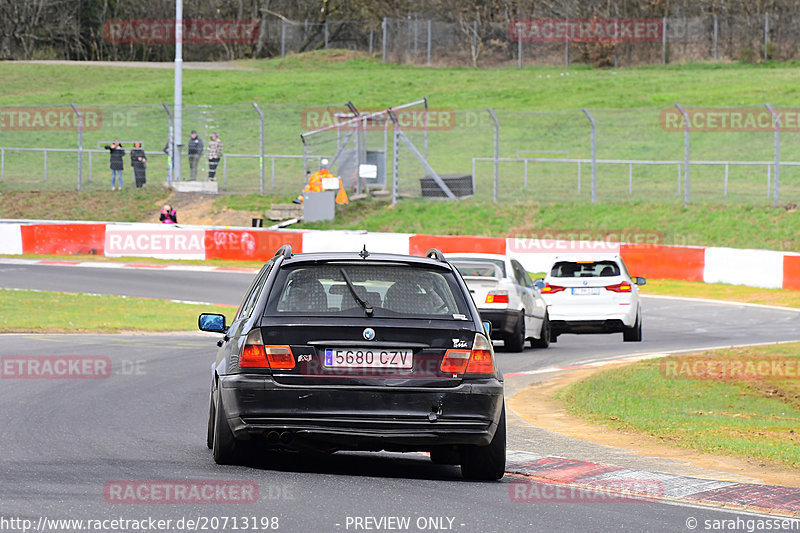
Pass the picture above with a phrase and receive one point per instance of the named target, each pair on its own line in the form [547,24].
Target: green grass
[750,418]
[35,311]
[733,226]
[332,76]
[723,291]
[128,205]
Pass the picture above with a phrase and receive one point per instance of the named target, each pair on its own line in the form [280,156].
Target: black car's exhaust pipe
[273,437]
[287,437]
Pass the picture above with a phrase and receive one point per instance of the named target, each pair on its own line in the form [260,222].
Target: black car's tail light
[479,360]
[280,357]
[256,355]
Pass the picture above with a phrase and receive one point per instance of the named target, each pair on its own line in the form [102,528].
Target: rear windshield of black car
[585,269]
[390,290]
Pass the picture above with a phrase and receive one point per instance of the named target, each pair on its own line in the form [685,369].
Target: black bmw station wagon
[358,351]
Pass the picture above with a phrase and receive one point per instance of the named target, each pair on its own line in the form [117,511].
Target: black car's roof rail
[434,253]
[285,251]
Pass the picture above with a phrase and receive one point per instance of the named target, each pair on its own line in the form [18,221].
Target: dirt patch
[535,404]
[199,208]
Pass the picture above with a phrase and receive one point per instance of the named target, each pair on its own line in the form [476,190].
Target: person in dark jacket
[169,215]
[117,153]
[195,150]
[139,164]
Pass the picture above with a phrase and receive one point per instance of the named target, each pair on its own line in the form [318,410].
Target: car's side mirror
[539,284]
[213,322]
[487,327]
[639,281]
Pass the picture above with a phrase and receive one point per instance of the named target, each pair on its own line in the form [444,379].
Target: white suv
[587,294]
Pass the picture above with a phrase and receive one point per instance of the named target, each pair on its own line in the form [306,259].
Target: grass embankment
[295,80]
[735,226]
[39,312]
[722,291]
[742,402]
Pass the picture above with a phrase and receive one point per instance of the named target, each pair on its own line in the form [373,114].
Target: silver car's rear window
[585,269]
[390,290]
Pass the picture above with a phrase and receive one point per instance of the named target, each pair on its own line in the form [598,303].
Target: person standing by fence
[117,153]
[214,155]
[139,164]
[195,151]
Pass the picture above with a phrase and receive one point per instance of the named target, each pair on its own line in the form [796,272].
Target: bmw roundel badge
[369,334]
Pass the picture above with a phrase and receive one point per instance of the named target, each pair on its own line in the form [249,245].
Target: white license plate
[367,358]
[583,291]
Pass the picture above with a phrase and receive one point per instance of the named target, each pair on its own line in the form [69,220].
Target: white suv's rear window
[585,269]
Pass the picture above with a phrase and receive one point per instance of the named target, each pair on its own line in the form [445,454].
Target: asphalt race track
[67,444]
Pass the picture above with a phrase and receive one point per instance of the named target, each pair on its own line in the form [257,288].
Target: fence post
[766,34]
[395,165]
[425,139]
[416,37]
[326,34]
[519,51]
[283,38]
[80,145]
[45,165]
[664,41]
[630,179]
[371,34]
[475,45]
[566,50]
[496,153]
[90,166]
[429,42]
[383,40]
[224,172]
[716,38]
[2,164]
[776,181]
[725,193]
[594,153]
[685,154]
[579,178]
[170,156]
[261,133]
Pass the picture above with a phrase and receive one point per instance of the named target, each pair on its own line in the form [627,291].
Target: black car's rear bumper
[363,418]
[504,321]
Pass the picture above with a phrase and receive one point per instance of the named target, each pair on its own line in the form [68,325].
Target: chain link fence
[422,41]
[733,154]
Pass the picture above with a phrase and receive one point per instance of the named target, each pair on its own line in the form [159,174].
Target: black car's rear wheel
[486,462]
[225,448]
[516,341]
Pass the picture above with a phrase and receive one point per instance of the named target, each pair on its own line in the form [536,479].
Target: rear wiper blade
[363,303]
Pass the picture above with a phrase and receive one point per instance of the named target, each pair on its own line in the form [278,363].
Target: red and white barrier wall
[756,268]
